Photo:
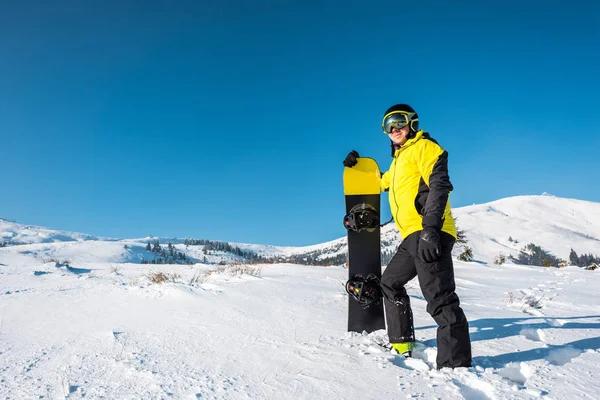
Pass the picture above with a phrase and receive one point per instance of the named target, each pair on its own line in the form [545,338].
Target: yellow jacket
[419,186]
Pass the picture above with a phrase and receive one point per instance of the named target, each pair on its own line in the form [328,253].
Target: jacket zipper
[393,191]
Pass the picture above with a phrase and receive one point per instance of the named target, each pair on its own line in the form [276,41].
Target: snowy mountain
[101,328]
[556,224]
[82,317]
[500,227]
[14,233]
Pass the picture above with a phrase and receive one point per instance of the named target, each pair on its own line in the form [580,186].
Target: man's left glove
[430,248]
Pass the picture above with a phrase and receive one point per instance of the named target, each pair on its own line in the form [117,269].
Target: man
[419,187]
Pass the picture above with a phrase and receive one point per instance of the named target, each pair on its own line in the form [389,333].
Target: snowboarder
[419,187]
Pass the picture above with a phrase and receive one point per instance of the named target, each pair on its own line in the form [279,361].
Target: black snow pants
[438,287]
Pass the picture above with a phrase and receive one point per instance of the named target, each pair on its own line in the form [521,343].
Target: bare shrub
[526,301]
[244,269]
[500,259]
[115,269]
[546,263]
[220,269]
[238,269]
[133,282]
[160,277]
[157,277]
[200,277]
[510,298]
[56,261]
[532,301]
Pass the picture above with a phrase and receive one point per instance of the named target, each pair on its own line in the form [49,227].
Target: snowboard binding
[362,217]
[364,290]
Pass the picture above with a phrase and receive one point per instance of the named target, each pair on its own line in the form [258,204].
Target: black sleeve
[439,190]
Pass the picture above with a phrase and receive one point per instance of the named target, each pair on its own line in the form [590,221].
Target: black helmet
[397,116]
[410,114]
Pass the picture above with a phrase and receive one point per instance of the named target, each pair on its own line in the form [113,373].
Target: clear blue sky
[229,120]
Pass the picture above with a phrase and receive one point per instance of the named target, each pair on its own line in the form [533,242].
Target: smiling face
[399,136]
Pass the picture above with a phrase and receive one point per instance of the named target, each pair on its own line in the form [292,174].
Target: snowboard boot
[404,349]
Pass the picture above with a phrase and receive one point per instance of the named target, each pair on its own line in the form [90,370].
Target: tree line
[584,260]
[168,255]
[533,254]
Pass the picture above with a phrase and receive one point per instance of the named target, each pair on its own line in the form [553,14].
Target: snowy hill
[104,326]
[556,224]
[15,233]
[278,331]
[501,227]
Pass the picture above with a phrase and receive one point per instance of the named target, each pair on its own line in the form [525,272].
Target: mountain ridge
[499,227]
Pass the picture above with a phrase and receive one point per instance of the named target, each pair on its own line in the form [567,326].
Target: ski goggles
[396,119]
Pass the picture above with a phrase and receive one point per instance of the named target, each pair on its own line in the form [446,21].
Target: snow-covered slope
[503,226]
[556,224]
[98,328]
[106,332]
[14,232]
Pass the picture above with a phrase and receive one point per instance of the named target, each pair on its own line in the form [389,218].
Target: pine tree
[535,255]
[466,255]
[573,258]
[461,236]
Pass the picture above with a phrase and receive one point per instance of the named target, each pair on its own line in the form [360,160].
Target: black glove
[429,245]
[351,159]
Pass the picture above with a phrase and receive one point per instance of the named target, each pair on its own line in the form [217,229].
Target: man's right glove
[430,247]
[351,159]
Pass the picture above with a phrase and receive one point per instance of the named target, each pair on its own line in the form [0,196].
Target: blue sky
[229,120]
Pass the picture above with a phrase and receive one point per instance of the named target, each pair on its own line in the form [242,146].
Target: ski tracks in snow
[461,383]
[97,337]
[117,365]
[516,372]
[534,301]
[528,371]
[510,374]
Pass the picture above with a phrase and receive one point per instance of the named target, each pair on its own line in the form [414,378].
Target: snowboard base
[362,192]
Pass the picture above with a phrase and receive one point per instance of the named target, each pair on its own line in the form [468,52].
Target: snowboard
[362,193]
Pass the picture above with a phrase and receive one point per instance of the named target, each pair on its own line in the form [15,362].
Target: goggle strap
[408,114]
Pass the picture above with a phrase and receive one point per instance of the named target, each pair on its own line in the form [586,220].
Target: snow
[109,333]
[15,232]
[97,328]
[556,224]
